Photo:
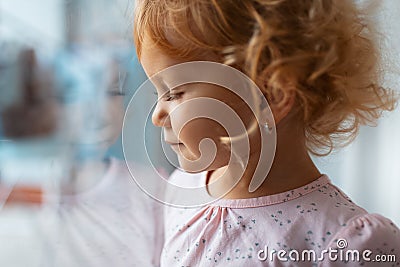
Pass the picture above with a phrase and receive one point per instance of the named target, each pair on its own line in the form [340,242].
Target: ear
[281,104]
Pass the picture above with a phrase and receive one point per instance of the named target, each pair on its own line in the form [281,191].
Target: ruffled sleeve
[366,240]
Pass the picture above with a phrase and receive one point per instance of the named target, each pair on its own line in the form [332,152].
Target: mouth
[175,146]
[173,143]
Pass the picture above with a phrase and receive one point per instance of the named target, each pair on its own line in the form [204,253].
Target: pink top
[286,229]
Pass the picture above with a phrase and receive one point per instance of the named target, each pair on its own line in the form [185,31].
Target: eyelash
[171,97]
[116,93]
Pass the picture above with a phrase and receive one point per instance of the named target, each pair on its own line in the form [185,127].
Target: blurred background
[67,72]
[69,44]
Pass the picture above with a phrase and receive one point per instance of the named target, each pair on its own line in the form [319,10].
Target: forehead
[154,59]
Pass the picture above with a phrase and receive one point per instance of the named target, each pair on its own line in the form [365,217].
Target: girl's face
[96,124]
[177,112]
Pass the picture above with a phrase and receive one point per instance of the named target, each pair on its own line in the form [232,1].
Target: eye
[169,96]
[173,96]
[116,92]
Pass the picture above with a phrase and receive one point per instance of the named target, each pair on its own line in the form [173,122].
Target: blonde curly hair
[323,50]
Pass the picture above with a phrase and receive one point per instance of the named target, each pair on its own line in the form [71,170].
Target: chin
[190,169]
[191,166]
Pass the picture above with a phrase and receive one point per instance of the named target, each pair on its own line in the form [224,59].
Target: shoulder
[372,234]
[372,231]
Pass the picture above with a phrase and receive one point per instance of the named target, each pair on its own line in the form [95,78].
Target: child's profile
[317,65]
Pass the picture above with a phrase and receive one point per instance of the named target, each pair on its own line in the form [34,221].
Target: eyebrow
[158,82]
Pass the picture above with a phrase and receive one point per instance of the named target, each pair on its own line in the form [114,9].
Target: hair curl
[323,50]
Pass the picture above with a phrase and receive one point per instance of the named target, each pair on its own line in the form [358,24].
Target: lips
[171,139]
[176,146]
[173,143]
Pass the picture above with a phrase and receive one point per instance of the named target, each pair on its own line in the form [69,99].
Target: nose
[160,117]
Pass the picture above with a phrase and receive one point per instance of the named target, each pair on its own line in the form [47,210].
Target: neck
[292,168]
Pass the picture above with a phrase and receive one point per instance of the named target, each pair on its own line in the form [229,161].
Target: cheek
[196,130]
[114,113]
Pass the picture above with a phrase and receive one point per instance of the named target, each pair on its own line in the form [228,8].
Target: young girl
[316,64]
